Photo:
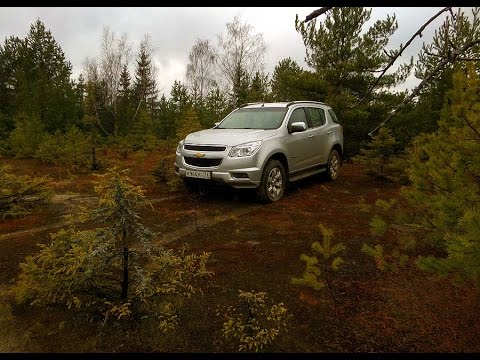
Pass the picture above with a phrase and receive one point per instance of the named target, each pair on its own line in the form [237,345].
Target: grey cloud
[173,30]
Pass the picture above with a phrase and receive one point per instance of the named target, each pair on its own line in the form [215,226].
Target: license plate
[198,174]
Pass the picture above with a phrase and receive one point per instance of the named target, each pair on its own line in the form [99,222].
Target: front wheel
[273,183]
[333,165]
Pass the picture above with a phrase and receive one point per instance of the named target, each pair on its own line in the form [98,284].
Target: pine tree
[125,109]
[445,176]
[216,108]
[382,158]
[113,272]
[27,136]
[50,91]
[145,84]
[290,82]
[259,88]
[36,80]
[188,124]
[20,194]
[346,53]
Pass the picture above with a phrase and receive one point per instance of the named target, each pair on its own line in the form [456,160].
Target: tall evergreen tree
[49,91]
[347,53]
[145,84]
[125,109]
[291,82]
[35,80]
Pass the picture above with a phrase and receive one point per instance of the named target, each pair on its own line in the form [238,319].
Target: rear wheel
[333,165]
[273,183]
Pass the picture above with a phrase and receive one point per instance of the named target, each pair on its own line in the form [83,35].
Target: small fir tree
[20,194]
[113,271]
[254,324]
[318,273]
[381,158]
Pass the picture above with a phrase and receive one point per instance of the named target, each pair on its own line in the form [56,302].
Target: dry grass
[409,311]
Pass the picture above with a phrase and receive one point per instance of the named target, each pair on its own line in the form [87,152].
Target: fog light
[240,175]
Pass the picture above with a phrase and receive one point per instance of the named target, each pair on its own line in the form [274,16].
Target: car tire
[273,183]
[333,165]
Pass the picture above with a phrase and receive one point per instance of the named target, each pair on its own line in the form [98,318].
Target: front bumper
[235,172]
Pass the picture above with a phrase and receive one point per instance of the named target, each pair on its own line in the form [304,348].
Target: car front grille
[202,162]
[204,147]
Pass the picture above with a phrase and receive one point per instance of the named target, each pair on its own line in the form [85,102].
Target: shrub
[382,159]
[71,149]
[20,194]
[27,136]
[165,172]
[254,324]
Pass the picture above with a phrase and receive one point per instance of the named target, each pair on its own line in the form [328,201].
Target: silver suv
[264,146]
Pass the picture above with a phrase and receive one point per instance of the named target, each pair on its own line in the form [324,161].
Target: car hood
[229,137]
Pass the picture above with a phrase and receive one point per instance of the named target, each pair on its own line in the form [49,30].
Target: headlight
[179,146]
[247,149]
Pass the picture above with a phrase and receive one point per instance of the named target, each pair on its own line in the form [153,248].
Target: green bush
[71,148]
[28,134]
[254,324]
[382,159]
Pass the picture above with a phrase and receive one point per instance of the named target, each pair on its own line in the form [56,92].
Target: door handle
[310,136]
[329,132]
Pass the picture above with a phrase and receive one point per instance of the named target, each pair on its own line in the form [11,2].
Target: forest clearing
[258,247]
[103,248]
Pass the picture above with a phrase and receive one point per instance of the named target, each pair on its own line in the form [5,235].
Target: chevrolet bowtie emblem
[199,155]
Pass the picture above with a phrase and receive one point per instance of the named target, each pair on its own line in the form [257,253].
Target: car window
[317,116]
[333,116]
[256,118]
[298,115]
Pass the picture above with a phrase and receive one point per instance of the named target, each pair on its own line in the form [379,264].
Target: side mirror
[298,127]
[216,124]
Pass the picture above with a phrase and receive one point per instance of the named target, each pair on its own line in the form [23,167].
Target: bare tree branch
[459,58]
[394,58]
[438,67]
[317,13]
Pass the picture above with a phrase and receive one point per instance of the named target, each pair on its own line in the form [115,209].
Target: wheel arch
[280,156]
[339,149]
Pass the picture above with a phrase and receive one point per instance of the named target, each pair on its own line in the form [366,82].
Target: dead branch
[394,58]
[317,13]
[459,58]
[441,64]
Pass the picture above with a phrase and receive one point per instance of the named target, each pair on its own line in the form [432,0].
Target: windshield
[258,118]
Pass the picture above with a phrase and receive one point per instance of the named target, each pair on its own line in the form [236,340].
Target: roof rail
[305,101]
[246,104]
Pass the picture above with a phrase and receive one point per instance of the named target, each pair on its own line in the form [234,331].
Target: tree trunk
[125,274]
[94,165]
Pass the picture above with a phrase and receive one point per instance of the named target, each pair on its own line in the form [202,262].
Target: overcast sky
[173,31]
